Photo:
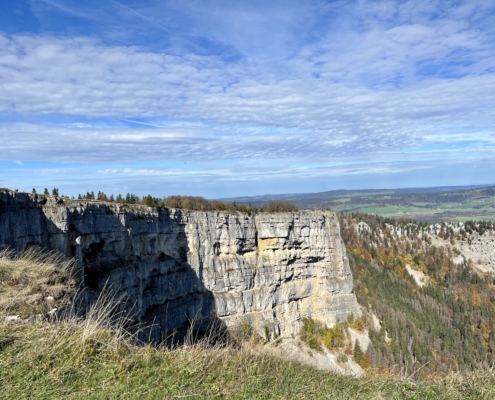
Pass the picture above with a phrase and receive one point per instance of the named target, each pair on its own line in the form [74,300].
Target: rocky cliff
[269,270]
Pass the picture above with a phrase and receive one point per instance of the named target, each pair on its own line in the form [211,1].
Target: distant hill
[432,203]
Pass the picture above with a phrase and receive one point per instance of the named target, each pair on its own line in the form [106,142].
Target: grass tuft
[34,281]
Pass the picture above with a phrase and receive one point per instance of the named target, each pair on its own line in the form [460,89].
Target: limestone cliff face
[270,270]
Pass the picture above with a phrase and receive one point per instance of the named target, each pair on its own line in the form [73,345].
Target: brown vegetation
[34,282]
[279,206]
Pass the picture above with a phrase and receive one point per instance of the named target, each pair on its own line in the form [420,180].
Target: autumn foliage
[446,325]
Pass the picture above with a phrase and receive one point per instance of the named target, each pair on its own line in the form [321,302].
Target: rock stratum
[176,266]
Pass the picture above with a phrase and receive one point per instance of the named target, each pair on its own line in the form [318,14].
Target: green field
[459,212]
[479,209]
[435,204]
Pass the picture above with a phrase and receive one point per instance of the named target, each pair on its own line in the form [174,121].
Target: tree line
[196,203]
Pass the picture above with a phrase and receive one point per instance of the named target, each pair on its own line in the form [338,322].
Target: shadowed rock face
[270,270]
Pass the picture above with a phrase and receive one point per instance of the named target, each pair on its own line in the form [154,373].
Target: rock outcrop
[174,266]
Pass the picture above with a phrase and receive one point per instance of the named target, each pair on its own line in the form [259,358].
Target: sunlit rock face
[178,267]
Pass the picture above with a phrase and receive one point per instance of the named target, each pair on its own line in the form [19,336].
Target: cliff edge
[175,266]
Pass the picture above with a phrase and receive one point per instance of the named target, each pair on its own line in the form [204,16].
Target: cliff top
[187,204]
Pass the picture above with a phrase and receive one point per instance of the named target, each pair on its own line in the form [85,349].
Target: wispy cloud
[139,15]
[409,85]
[141,123]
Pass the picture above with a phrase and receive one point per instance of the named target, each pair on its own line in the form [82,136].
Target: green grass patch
[46,361]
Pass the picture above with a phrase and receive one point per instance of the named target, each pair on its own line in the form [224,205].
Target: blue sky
[235,98]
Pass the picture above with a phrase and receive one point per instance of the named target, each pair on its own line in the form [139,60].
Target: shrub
[188,202]
[338,336]
[358,352]
[358,324]
[314,334]
[311,333]
[328,339]
[365,362]
[279,206]
[342,358]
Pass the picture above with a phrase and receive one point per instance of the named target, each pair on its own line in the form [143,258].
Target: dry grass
[55,361]
[34,281]
[94,357]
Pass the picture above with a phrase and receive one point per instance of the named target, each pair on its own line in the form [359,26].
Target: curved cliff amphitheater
[174,267]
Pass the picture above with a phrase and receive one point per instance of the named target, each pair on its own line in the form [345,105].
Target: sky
[224,98]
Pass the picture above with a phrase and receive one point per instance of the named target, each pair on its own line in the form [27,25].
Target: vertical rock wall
[270,270]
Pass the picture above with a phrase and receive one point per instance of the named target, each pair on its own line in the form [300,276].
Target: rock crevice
[270,270]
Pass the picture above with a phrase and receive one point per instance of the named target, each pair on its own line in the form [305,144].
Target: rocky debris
[363,227]
[375,322]
[419,277]
[49,316]
[13,318]
[362,337]
[295,350]
[480,249]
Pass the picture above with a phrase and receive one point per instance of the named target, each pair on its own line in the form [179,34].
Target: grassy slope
[28,279]
[47,361]
[83,359]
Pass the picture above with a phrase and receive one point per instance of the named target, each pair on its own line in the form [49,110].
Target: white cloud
[96,145]
[369,83]
[43,75]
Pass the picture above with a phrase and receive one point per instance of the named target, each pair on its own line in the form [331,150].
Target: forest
[446,325]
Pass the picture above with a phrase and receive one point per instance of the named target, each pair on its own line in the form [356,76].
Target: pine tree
[358,352]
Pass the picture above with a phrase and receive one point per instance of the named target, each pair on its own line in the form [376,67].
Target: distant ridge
[429,203]
[352,192]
